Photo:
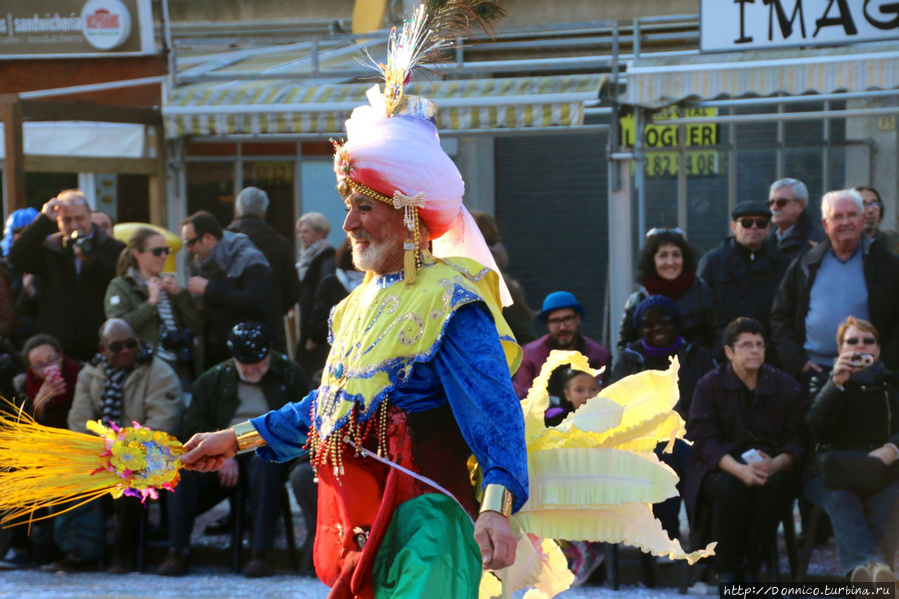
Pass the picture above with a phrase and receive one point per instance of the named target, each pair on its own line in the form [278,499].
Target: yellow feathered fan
[594,477]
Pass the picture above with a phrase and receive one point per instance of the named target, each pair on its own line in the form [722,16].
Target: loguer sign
[733,25]
[71,28]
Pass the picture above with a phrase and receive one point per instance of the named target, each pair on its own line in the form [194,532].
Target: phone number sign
[658,136]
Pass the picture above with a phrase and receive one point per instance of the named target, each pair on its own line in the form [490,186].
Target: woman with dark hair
[49,380]
[667,266]
[659,320]
[855,421]
[159,310]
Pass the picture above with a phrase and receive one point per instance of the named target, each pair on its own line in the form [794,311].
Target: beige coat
[152,397]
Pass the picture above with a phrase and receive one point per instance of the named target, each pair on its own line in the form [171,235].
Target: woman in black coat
[858,410]
[316,261]
[667,266]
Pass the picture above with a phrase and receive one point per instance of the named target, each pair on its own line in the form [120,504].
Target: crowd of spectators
[786,335]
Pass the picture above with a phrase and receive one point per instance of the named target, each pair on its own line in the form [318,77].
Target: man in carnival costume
[417,380]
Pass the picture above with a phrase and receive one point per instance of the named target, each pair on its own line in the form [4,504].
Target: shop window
[41,187]
[210,186]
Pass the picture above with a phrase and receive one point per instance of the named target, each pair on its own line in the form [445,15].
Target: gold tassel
[409,265]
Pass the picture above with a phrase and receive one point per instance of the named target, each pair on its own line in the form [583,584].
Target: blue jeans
[866,528]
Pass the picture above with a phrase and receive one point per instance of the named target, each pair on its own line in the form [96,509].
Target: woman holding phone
[50,380]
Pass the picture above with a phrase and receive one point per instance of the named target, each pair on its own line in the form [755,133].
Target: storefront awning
[279,107]
[655,82]
[82,139]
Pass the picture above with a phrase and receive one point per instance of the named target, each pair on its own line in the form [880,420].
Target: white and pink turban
[402,154]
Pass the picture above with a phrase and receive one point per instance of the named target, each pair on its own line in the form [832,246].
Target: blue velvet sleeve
[475,377]
[285,430]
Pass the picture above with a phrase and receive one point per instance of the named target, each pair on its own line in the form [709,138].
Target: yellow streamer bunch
[42,467]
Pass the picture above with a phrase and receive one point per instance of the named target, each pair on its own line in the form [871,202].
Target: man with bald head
[124,383]
[75,261]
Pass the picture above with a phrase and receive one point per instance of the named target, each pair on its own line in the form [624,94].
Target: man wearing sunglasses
[124,383]
[75,261]
[234,283]
[794,229]
[746,269]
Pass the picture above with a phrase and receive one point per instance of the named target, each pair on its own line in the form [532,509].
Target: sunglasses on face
[189,242]
[865,340]
[779,202]
[160,251]
[659,230]
[747,223]
[117,346]
[869,203]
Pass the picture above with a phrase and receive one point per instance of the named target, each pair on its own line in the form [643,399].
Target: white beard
[373,257]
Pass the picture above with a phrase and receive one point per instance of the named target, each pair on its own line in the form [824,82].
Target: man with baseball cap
[562,314]
[255,380]
[746,269]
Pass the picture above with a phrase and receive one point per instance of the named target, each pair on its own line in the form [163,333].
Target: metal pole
[640,171]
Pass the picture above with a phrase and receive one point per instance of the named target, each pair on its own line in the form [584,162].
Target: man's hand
[206,452]
[51,208]
[494,537]
[810,365]
[229,474]
[197,285]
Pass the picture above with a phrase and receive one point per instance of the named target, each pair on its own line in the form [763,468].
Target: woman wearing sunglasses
[667,266]
[854,477]
[157,308]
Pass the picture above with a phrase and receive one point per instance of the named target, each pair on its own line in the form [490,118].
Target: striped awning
[663,81]
[279,107]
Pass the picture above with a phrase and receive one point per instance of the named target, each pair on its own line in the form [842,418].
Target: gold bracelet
[498,499]
[248,438]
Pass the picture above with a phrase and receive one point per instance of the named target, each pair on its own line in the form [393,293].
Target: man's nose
[350,222]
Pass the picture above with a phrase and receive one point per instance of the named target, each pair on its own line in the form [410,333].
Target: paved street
[216,584]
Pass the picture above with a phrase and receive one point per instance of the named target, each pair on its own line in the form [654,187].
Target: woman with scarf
[667,267]
[159,310]
[660,322]
[316,261]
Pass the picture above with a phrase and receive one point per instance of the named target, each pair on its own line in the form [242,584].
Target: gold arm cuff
[248,438]
[497,498]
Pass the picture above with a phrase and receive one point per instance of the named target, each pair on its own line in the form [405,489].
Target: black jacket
[805,235]
[694,358]
[791,303]
[696,309]
[743,283]
[320,267]
[865,415]
[215,397]
[280,255]
[228,301]
[71,303]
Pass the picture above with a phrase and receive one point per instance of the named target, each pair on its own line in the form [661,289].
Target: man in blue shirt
[847,274]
